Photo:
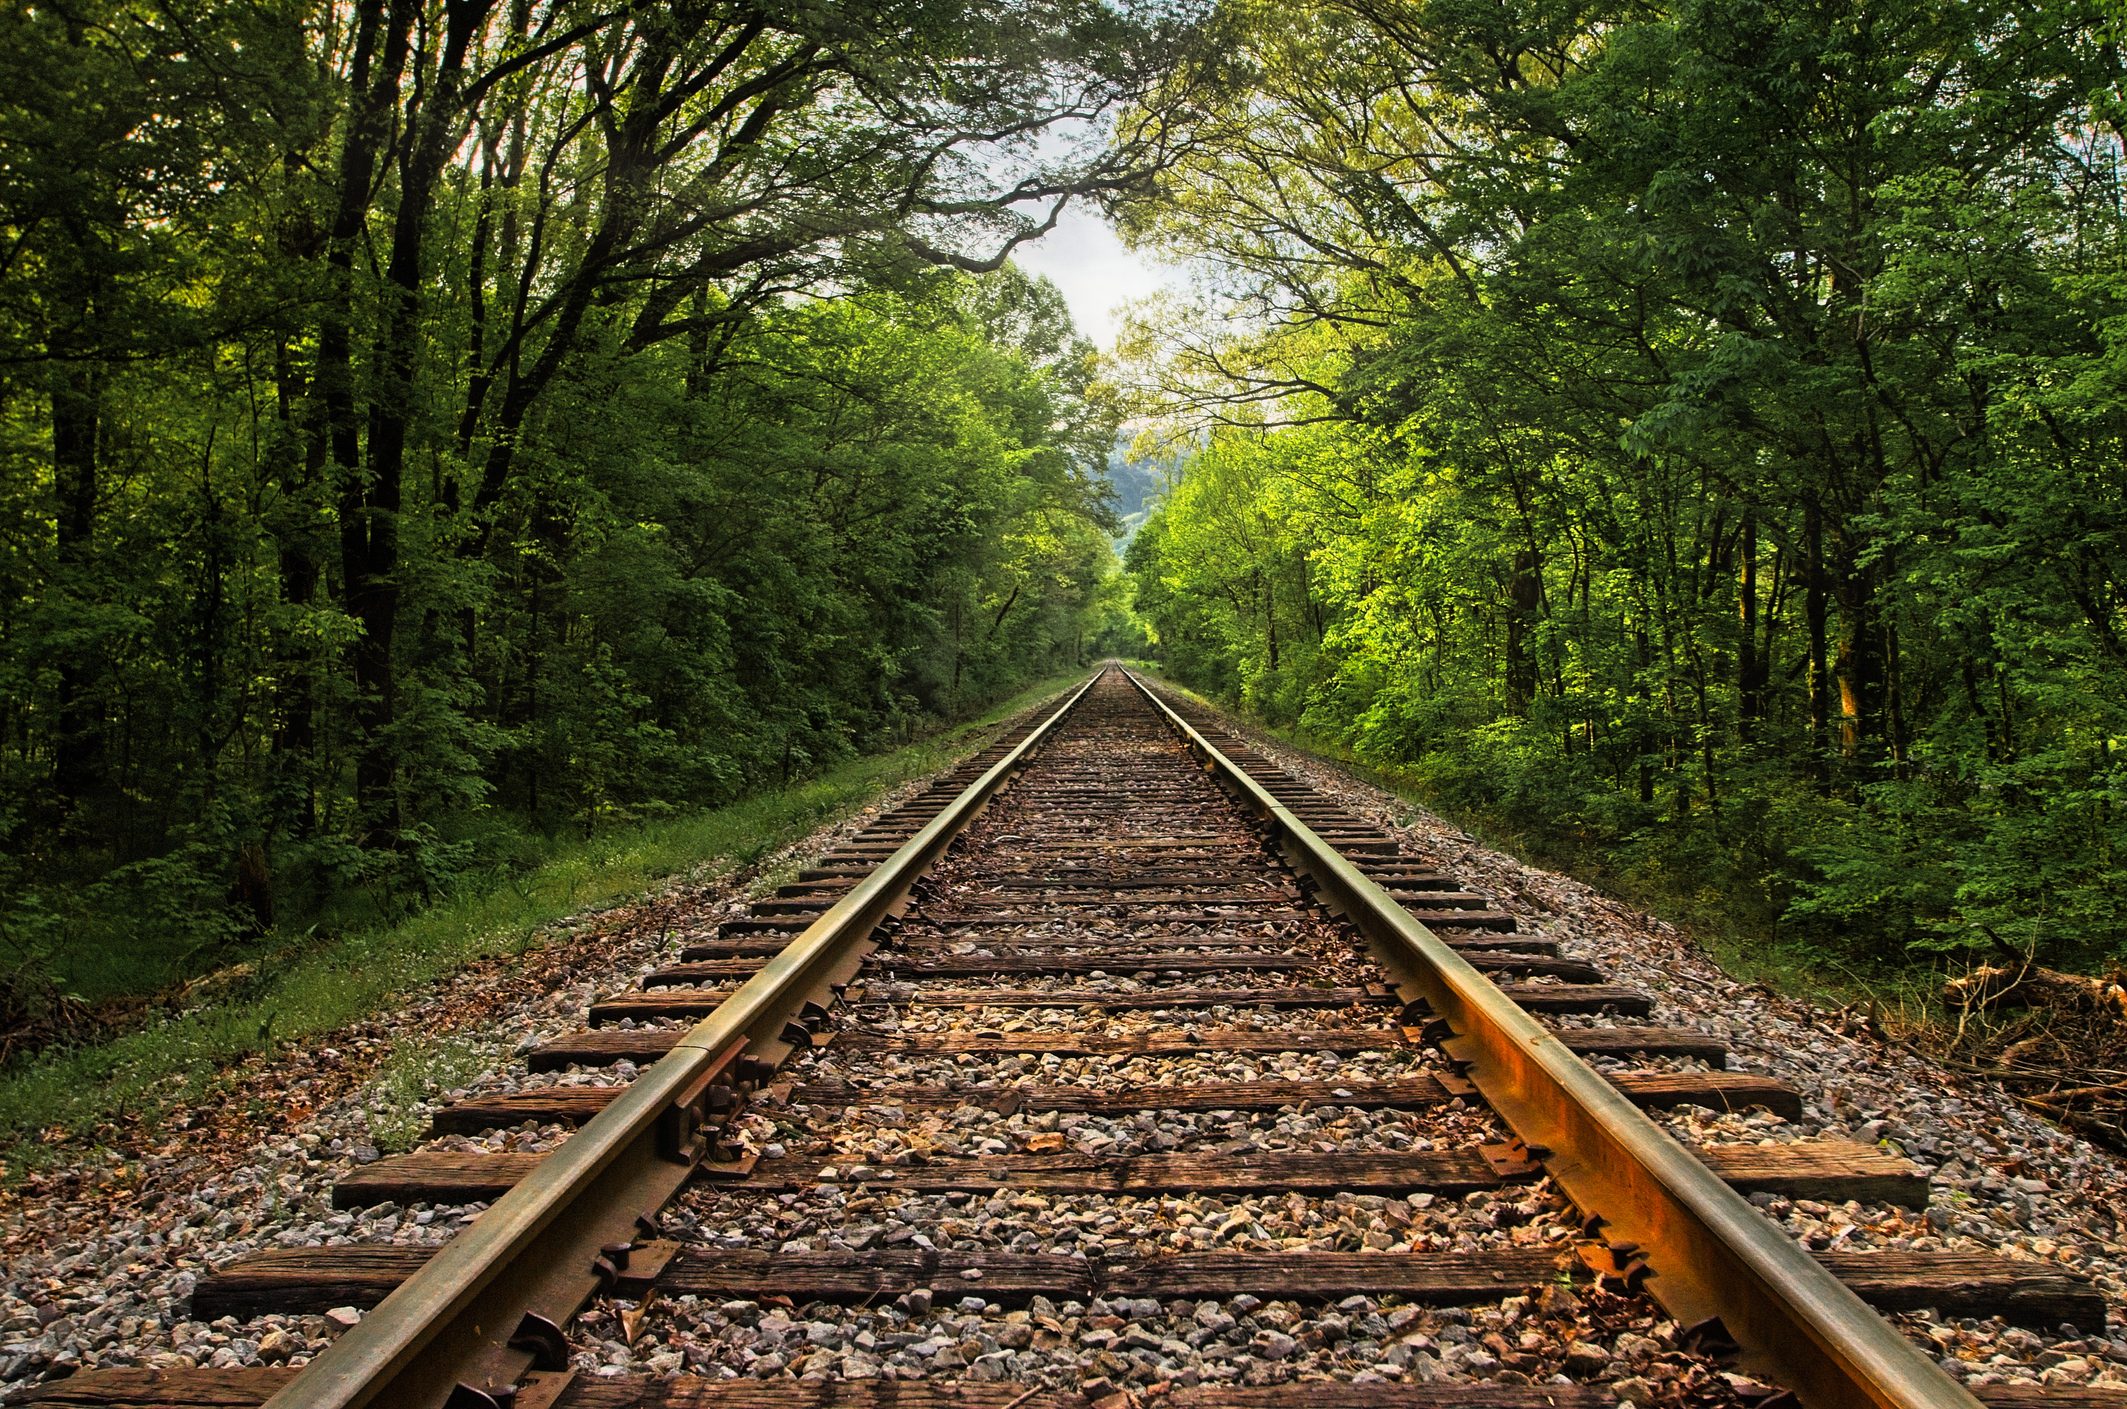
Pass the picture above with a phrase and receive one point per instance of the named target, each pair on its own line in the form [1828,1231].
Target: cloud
[1094,271]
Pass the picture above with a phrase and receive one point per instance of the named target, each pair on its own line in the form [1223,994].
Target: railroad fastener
[648,1259]
[679,1127]
[541,1339]
[1711,1339]
[608,1265]
[1512,1159]
[539,1389]
[726,1161]
[803,1029]
[677,1135]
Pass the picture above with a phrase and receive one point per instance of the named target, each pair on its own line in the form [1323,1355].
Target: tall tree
[431,418]
[1695,345]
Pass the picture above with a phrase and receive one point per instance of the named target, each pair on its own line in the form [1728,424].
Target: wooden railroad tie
[913,938]
[602,1048]
[572,1105]
[295,1281]
[1831,1170]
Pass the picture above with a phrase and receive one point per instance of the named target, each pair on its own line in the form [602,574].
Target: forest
[430,427]
[1688,437]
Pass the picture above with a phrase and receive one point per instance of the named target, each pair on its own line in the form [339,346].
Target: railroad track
[1236,1091]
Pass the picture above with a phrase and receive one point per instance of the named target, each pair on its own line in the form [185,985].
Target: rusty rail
[1711,1258]
[487,1310]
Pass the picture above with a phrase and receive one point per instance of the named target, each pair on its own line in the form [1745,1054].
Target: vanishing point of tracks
[1256,1110]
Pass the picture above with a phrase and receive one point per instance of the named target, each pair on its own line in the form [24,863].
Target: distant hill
[1138,485]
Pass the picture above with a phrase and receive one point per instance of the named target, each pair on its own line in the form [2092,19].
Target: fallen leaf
[631,1318]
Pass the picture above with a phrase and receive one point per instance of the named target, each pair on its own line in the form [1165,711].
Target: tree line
[430,423]
[1690,434]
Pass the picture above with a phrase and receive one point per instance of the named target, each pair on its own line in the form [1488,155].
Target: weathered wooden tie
[602,1048]
[1833,1170]
[572,1105]
[295,1281]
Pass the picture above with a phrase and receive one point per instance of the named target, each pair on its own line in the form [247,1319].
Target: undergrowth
[417,1071]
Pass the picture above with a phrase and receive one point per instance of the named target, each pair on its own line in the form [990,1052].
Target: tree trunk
[955,705]
[997,621]
[1643,656]
[370,504]
[375,79]
[1857,662]
[1816,615]
[301,572]
[1312,601]
[1524,596]
[1270,621]
[1751,664]
[1893,715]
[76,385]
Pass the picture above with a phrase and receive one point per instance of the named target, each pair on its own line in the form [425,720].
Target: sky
[1093,270]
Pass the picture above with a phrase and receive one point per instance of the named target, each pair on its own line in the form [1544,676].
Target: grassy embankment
[179,1059]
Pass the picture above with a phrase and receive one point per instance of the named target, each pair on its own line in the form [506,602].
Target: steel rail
[1710,1256]
[457,1330]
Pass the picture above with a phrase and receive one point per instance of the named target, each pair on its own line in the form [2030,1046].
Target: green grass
[179,1060]
[417,1070]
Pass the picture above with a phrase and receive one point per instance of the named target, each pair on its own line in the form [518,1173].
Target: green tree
[427,422]
[1727,431]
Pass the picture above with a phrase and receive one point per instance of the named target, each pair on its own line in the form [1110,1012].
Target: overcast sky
[1095,273]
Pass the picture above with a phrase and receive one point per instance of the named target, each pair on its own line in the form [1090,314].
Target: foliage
[427,426]
[410,1080]
[1691,433]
